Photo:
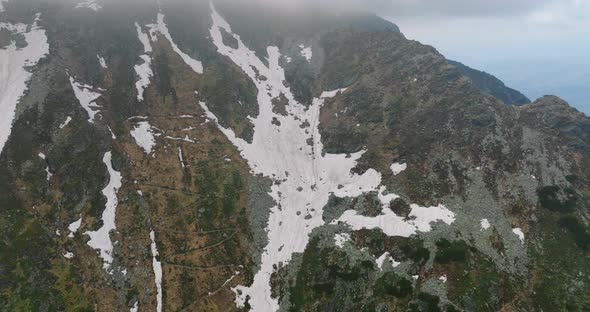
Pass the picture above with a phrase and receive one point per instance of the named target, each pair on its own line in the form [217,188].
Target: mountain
[492,85]
[194,156]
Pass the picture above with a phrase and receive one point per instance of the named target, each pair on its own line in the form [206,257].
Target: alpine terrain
[188,155]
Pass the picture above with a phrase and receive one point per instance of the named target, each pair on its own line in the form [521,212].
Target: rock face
[218,157]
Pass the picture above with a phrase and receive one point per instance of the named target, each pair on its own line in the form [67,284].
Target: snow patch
[185,139]
[518,232]
[423,217]
[180,157]
[386,257]
[394,225]
[157,266]
[102,62]
[49,174]
[484,224]
[306,52]
[15,71]
[101,239]
[74,226]
[66,122]
[89,4]
[113,136]
[87,95]
[144,136]
[398,168]
[161,28]
[340,239]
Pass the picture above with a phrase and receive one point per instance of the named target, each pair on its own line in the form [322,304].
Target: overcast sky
[537,46]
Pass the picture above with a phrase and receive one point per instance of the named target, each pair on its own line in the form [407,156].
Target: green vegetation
[228,39]
[561,266]
[327,277]
[478,285]
[224,87]
[557,200]
[413,248]
[66,284]
[219,191]
[162,77]
[580,232]
[447,251]
[391,284]
[365,104]
[426,303]
[344,139]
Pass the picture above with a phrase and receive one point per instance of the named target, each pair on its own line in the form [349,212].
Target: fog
[533,45]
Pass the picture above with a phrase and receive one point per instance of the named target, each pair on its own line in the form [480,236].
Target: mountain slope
[218,157]
[492,85]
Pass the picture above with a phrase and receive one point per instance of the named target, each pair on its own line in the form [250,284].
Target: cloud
[562,13]
[419,8]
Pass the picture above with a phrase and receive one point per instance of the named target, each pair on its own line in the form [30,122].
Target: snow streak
[157,266]
[160,27]
[144,70]
[101,238]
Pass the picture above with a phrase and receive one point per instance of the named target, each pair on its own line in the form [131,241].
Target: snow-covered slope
[291,153]
[15,70]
